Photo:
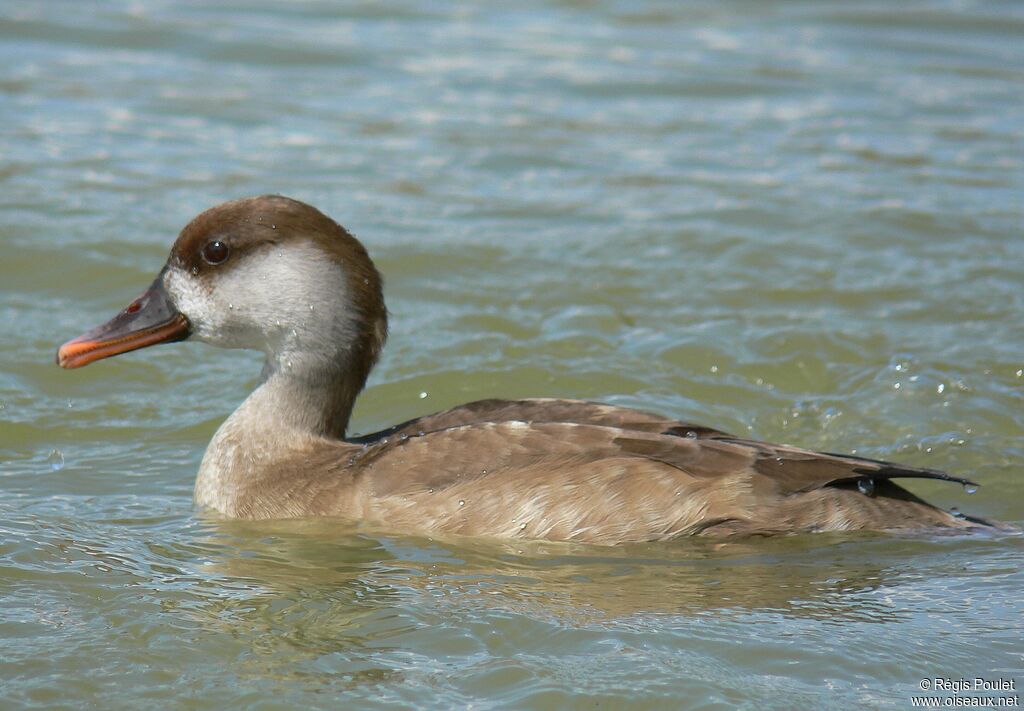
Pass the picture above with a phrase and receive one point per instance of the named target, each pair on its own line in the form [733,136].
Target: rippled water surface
[800,221]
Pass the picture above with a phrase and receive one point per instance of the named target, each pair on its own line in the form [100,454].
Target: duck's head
[268,273]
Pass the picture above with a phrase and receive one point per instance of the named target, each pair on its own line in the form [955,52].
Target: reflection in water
[816,576]
[308,598]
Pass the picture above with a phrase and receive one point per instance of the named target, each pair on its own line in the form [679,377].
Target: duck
[277,275]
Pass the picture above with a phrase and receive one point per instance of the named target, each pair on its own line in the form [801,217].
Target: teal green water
[801,221]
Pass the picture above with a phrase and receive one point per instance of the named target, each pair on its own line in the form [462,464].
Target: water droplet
[522,526]
[423,395]
[351,461]
[420,433]
[896,386]
[714,369]
[955,513]
[366,280]
[461,502]
[384,441]
[970,488]
[288,364]
[231,307]
[940,388]
[690,434]
[430,490]
[70,404]
[403,437]
[195,270]
[273,227]
[311,307]
[55,460]
[866,486]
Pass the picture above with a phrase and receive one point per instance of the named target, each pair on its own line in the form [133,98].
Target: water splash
[55,459]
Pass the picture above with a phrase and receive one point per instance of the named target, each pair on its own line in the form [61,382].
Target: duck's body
[275,274]
[558,470]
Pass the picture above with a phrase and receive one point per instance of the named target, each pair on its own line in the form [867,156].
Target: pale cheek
[225,311]
[197,304]
[282,301]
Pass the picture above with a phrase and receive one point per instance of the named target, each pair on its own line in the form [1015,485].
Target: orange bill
[150,319]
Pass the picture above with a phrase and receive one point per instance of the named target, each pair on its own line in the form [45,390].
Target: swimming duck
[277,275]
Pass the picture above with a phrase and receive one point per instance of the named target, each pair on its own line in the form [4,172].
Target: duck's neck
[293,409]
[315,402]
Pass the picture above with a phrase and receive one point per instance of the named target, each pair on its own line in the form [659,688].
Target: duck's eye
[216,252]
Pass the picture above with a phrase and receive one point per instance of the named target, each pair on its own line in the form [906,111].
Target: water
[798,221]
